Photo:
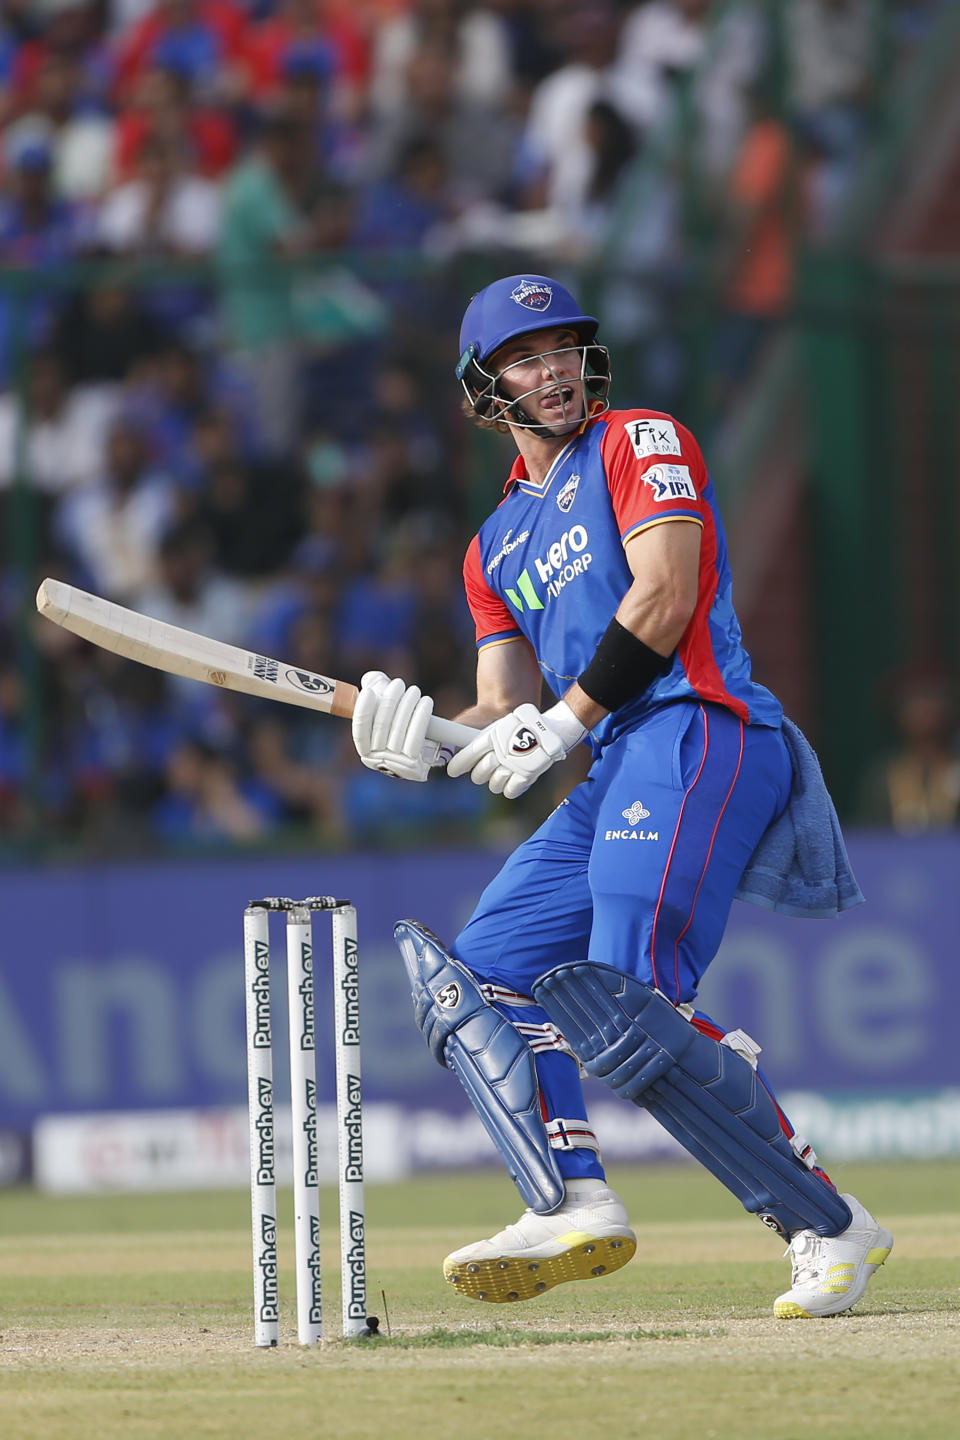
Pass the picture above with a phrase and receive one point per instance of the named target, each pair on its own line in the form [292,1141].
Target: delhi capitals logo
[533,294]
[567,492]
[635,813]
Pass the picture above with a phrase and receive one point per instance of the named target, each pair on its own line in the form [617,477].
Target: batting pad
[492,1061]
[707,1096]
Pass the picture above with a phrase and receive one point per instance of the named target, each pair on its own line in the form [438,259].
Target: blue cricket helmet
[517,305]
[514,306]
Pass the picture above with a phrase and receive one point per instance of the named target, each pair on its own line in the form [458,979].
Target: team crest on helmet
[533,294]
[566,493]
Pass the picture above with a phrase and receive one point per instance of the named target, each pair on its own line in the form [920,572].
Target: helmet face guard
[521,305]
[490,401]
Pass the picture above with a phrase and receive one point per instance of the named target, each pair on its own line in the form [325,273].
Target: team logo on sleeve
[670,482]
[653,436]
[567,492]
[534,295]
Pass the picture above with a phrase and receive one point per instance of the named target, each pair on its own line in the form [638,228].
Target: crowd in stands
[236,237]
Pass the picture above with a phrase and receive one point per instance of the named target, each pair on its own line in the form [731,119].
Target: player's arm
[664,560]
[515,750]
[507,676]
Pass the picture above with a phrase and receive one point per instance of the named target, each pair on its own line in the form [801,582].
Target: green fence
[881,366]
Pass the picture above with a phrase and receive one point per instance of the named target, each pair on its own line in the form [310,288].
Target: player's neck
[539,454]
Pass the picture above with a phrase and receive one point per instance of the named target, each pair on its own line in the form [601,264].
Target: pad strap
[571,1135]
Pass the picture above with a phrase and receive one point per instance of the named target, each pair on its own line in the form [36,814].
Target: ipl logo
[635,814]
[533,295]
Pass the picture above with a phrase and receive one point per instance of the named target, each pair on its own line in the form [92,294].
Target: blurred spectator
[38,233]
[294,329]
[105,331]
[831,58]
[78,129]
[162,107]
[252,511]
[400,210]
[113,529]
[63,431]
[714,52]
[266,219]
[555,158]
[918,787]
[755,262]
[71,30]
[376,620]
[299,755]
[476,140]
[201,40]
[166,210]
[293,30]
[207,801]
[190,592]
[123,729]
[478,40]
[14,756]
[337,139]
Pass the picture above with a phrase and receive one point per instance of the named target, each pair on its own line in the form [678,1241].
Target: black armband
[622,667]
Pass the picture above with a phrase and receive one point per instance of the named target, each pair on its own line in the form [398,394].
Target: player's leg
[474,1006]
[709,787]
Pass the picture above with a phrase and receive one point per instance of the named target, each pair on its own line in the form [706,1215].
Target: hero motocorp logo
[563,561]
[533,295]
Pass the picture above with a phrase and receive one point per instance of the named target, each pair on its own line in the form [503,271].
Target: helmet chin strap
[527,423]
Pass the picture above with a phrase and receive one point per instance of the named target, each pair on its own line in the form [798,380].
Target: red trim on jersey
[673,845]
[634,506]
[518,471]
[490,615]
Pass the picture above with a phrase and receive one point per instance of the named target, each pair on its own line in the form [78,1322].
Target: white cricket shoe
[587,1236]
[831,1272]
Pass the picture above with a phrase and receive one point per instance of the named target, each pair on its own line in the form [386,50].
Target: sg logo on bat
[312,684]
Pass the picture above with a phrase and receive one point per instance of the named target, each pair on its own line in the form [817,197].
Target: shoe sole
[790,1310]
[514,1277]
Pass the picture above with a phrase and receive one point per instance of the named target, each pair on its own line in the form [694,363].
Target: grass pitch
[130,1316]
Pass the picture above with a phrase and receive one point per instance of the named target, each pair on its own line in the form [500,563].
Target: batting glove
[517,749]
[390,722]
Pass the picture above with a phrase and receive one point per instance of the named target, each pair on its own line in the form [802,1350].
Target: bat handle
[450,732]
[444,732]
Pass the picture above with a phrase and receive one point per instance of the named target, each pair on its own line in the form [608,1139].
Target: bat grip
[450,732]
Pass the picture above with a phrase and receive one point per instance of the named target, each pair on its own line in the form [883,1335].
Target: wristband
[566,724]
[622,667]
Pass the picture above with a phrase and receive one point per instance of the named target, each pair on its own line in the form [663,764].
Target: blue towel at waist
[800,866]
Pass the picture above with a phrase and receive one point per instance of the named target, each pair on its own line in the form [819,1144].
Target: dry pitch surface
[130,1317]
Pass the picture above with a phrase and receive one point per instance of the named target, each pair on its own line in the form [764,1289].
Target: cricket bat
[197,657]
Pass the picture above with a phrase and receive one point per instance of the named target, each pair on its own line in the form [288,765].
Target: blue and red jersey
[549,564]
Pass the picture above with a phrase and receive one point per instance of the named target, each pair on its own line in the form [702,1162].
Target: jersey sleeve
[655,472]
[494,623]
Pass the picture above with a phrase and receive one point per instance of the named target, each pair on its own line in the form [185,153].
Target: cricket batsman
[603,572]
